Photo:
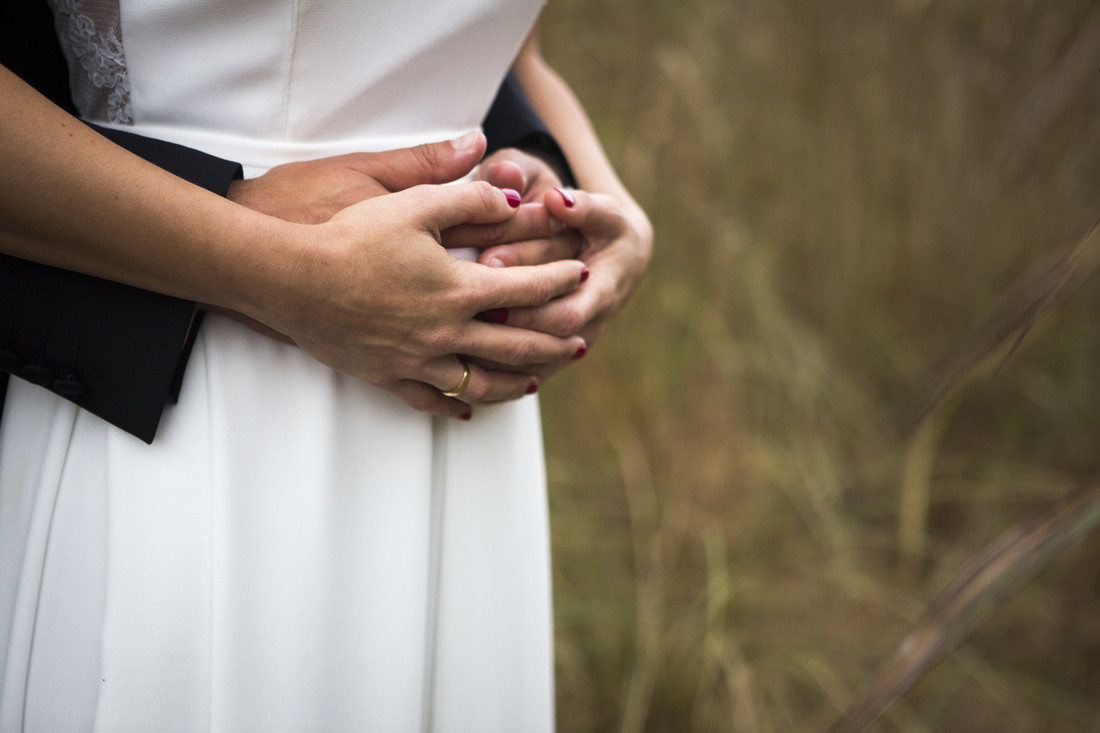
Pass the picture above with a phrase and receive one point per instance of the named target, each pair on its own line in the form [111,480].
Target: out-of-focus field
[841,191]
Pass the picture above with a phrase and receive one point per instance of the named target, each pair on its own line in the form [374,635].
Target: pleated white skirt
[296,551]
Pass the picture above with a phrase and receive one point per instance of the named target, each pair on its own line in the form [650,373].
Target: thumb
[503,174]
[440,162]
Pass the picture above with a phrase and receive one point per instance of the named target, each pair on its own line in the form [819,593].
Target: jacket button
[36,374]
[70,386]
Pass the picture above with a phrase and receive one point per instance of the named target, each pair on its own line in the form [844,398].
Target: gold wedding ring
[461,385]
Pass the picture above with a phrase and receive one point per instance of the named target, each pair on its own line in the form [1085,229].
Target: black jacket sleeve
[112,349]
[115,350]
[513,123]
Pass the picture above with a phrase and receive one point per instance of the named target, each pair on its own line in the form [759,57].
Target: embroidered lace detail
[91,38]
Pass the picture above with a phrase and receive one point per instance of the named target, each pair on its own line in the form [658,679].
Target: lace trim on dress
[91,38]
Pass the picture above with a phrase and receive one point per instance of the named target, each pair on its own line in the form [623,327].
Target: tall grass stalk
[981,588]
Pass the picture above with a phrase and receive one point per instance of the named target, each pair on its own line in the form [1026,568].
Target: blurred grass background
[742,527]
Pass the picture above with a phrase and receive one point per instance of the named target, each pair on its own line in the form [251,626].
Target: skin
[370,292]
[613,235]
[601,225]
[312,192]
[365,288]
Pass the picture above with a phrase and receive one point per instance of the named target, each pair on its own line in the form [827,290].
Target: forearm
[616,236]
[75,200]
[369,292]
[567,121]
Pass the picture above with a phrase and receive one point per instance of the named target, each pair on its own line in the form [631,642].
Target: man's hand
[311,192]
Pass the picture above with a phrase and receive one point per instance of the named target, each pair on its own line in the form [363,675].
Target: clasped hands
[377,296]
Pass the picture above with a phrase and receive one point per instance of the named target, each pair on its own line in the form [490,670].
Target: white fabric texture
[296,551]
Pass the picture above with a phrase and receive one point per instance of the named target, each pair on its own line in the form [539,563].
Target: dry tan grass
[743,529]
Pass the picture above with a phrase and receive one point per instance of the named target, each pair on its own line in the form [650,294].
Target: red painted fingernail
[567,197]
[533,387]
[466,416]
[497,315]
[580,352]
[584,274]
[514,199]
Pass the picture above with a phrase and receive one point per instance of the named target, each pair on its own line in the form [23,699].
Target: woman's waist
[257,155]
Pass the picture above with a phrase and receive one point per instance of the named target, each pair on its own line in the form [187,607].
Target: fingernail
[465,142]
[496,262]
[584,274]
[567,197]
[497,315]
[580,352]
[533,387]
[466,416]
[513,197]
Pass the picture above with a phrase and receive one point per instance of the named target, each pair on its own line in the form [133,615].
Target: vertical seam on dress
[42,574]
[295,25]
[212,539]
[435,566]
[108,496]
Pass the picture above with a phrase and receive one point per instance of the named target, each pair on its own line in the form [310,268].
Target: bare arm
[563,114]
[370,292]
[60,203]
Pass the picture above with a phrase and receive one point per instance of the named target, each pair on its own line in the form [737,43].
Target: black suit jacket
[112,349]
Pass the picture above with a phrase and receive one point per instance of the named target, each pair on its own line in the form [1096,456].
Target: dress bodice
[293,72]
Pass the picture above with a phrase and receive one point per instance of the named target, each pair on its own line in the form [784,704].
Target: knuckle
[464,299]
[520,352]
[494,233]
[487,193]
[543,290]
[476,392]
[427,156]
[438,341]
[567,321]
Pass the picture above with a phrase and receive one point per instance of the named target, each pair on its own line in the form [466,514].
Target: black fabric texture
[513,123]
[125,348]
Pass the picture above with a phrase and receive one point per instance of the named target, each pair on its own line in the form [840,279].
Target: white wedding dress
[296,551]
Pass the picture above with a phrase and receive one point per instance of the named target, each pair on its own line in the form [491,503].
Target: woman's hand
[548,239]
[370,292]
[314,191]
[616,237]
[374,294]
[616,242]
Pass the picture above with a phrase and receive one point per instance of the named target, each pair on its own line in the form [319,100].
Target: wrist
[268,273]
[238,191]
